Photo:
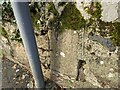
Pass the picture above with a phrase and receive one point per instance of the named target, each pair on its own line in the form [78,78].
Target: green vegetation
[61,3]
[51,8]
[54,22]
[71,18]
[3,33]
[7,13]
[16,36]
[69,82]
[115,33]
[111,29]
[35,14]
[94,10]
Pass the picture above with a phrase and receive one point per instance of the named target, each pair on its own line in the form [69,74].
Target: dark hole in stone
[43,32]
[80,69]
[91,33]
[17,76]
[92,53]
[110,54]
[36,34]
[80,63]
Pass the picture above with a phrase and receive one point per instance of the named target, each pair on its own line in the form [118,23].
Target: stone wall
[60,53]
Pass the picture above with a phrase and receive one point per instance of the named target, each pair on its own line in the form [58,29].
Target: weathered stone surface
[104,41]
[15,76]
[110,10]
[99,59]
[100,62]
[64,55]
[0,73]
[65,52]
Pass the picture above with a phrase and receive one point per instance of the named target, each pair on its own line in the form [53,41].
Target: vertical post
[22,15]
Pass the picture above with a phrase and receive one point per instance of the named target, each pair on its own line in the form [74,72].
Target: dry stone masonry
[60,51]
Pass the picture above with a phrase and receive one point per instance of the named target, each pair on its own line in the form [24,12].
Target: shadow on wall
[118,11]
[119,48]
[55,63]
[118,66]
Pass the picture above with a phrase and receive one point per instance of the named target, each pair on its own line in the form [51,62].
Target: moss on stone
[115,33]
[7,13]
[113,29]
[94,10]
[3,32]
[53,22]
[16,36]
[35,14]
[61,3]
[52,9]
[71,18]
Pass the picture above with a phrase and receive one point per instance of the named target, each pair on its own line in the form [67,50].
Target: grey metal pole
[22,15]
